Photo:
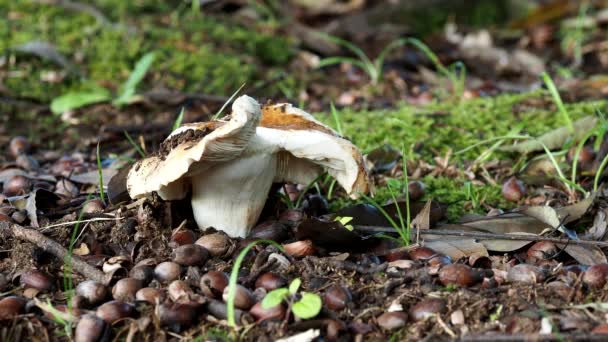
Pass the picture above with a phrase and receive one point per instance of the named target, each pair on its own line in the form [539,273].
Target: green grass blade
[379,61]
[558,101]
[134,144]
[178,120]
[598,175]
[336,116]
[219,112]
[350,46]
[129,87]
[234,274]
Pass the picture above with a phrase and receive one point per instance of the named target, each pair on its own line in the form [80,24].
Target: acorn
[422,253]
[243,298]
[26,162]
[144,273]
[213,284]
[5,218]
[595,277]
[299,248]
[270,281]
[167,271]
[179,291]
[125,289]
[600,329]
[115,310]
[334,328]
[217,244]
[19,216]
[182,315]
[337,297]
[150,295]
[190,255]
[392,320]
[459,274]
[525,273]
[427,308]
[93,291]
[18,145]
[541,250]
[11,307]
[415,190]
[513,190]
[315,205]
[36,279]
[291,216]
[585,157]
[17,185]
[93,206]
[183,237]
[260,314]
[89,328]
[66,188]
[271,230]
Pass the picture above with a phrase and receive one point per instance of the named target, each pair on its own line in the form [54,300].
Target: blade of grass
[178,120]
[577,154]
[558,101]
[598,175]
[219,112]
[234,274]
[140,70]
[134,144]
[336,116]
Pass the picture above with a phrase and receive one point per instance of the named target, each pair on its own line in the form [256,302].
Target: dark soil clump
[189,136]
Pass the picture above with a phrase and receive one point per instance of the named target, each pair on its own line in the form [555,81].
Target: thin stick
[51,246]
[486,236]
[96,219]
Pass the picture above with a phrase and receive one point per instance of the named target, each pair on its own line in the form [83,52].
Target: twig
[486,236]
[51,246]
[46,228]
[348,265]
[533,337]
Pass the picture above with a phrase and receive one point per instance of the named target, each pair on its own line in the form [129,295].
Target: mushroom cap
[193,148]
[306,147]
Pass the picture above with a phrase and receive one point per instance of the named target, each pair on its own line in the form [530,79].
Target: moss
[441,127]
[195,53]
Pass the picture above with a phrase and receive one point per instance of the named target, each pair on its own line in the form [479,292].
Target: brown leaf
[423,219]
[586,255]
[457,247]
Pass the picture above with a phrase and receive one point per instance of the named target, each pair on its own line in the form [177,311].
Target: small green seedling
[345,222]
[304,305]
[96,94]
[234,274]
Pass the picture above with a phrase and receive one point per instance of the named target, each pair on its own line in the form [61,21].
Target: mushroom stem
[231,196]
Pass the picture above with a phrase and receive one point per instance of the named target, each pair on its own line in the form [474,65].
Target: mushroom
[230,165]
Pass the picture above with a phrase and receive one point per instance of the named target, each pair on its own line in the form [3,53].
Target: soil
[356,255]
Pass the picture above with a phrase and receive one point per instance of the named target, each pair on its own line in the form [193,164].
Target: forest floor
[485,143]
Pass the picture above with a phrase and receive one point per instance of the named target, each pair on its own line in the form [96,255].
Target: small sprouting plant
[77,99]
[304,305]
[219,112]
[234,274]
[568,184]
[137,148]
[558,101]
[178,120]
[403,228]
[372,68]
[471,194]
[496,314]
[455,73]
